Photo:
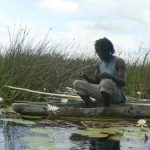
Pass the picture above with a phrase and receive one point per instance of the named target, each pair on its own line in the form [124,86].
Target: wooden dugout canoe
[129,109]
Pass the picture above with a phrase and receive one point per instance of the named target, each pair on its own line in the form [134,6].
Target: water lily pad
[100,132]
[18,121]
[92,132]
[65,145]
[39,142]
[42,130]
[45,143]
[135,133]
[112,131]
[135,129]
[116,137]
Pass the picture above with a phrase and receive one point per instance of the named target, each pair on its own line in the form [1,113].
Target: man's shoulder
[98,61]
[120,62]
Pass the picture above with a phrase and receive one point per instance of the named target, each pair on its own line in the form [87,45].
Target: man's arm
[121,72]
[94,80]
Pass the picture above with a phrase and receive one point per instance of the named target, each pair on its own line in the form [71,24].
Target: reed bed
[43,68]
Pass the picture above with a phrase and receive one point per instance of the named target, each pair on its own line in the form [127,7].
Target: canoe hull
[131,110]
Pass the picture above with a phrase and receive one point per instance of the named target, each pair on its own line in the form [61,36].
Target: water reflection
[10,136]
[99,144]
[85,143]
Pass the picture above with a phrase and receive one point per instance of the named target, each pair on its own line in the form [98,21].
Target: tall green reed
[27,66]
[42,66]
[138,77]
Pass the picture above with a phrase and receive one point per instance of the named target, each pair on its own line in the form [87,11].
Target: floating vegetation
[115,133]
[39,142]
[7,110]
[45,143]
[100,132]
[75,133]
[52,108]
[31,117]
[141,123]
[135,133]
[18,121]
[42,130]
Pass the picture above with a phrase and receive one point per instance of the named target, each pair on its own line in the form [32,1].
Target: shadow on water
[104,145]
[94,143]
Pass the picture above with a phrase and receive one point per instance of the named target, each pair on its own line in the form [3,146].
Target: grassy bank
[28,66]
[138,77]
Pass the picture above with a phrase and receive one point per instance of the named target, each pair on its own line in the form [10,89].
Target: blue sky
[80,22]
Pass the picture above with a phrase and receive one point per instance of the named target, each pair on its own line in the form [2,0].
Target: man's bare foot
[87,100]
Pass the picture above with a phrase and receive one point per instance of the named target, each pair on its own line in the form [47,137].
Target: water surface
[32,137]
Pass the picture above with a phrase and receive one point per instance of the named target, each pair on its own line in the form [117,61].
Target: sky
[76,24]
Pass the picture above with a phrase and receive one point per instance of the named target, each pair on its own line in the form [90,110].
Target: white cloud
[123,37]
[10,27]
[107,26]
[83,24]
[126,23]
[63,6]
[135,10]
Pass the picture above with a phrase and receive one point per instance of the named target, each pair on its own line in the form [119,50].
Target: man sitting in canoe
[107,87]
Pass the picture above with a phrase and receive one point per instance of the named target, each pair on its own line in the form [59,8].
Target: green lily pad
[112,131]
[92,132]
[39,142]
[42,130]
[45,143]
[100,132]
[131,133]
[18,121]
[62,145]
[116,133]
[135,129]
[117,137]
[135,133]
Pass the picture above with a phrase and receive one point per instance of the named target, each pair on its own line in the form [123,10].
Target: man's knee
[80,86]
[78,83]
[107,85]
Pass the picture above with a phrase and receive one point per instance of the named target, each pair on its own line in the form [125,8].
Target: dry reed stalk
[42,93]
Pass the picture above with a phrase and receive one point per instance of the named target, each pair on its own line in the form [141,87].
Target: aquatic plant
[1,99]
[18,121]
[64,100]
[141,123]
[52,108]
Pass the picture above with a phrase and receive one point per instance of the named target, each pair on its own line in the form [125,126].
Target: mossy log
[132,110]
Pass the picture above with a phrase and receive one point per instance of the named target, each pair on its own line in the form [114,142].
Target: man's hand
[82,75]
[105,75]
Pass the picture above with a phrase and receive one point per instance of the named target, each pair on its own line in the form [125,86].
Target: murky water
[23,137]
